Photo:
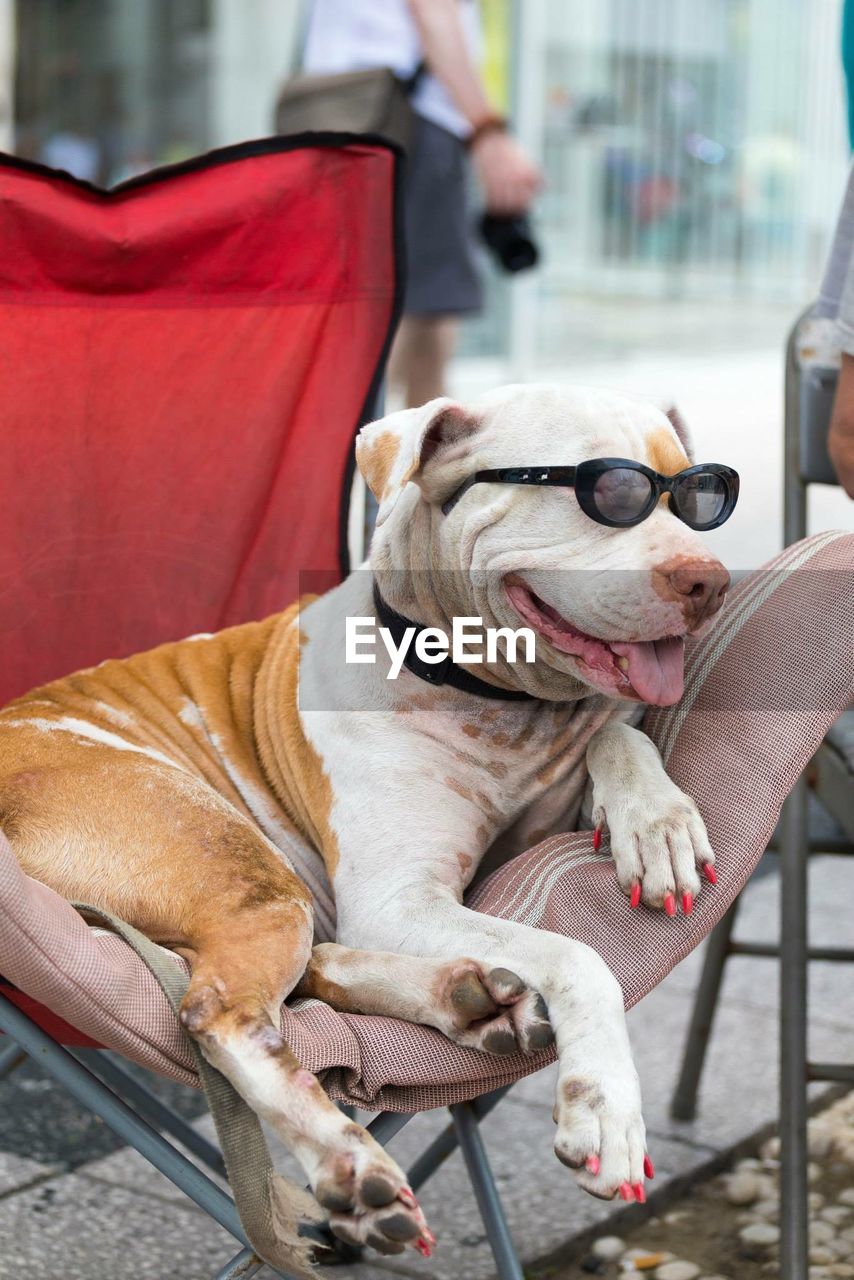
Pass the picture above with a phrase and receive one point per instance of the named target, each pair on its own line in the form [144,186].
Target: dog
[167,787]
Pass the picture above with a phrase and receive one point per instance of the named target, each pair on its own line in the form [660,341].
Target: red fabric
[57,1027]
[183,366]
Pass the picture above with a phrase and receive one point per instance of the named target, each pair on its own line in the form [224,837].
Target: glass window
[694,152]
[106,89]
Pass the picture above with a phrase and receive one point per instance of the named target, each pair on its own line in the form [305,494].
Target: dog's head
[611,606]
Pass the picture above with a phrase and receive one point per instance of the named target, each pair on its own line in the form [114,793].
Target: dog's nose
[699,586]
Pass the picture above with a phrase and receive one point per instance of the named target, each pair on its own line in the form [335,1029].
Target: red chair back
[184,363]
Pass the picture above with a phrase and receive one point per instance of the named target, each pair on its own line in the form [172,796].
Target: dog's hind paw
[491,1009]
[369,1201]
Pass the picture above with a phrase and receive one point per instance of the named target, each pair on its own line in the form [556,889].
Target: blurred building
[695,150]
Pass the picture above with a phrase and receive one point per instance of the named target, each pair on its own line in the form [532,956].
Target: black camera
[509,239]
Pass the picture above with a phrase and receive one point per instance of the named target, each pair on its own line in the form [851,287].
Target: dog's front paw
[490,1009]
[660,847]
[601,1134]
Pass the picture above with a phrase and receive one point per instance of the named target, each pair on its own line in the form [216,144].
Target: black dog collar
[438,673]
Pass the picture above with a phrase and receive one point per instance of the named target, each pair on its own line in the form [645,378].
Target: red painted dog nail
[640,1194]
[597,838]
[407,1195]
[670,904]
[687,903]
[710,873]
[423,1248]
[634,900]
[592,1165]
[626,1192]
[648,1168]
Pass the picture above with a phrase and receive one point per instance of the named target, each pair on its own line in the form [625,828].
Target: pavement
[74,1203]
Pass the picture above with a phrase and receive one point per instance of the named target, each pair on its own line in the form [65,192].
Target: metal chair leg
[794,1220]
[683,1105]
[386,1124]
[152,1109]
[91,1093]
[242,1265]
[446,1142]
[491,1209]
[11,1056]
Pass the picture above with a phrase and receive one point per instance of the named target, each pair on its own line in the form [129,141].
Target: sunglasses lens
[622,495]
[700,499]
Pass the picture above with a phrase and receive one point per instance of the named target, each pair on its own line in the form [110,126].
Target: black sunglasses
[620,492]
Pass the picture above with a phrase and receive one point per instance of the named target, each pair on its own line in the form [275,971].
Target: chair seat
[97,983]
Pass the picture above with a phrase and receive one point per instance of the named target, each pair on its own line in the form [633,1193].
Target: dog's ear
[679,425]
[402,447]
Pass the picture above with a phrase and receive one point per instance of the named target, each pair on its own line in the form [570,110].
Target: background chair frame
[809,397]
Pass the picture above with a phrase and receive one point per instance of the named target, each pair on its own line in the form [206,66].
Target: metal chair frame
[96,1080]
[796,1070]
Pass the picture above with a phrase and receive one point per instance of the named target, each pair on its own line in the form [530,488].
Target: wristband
[488,124]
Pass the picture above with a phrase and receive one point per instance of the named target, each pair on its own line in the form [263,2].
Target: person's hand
[840,441]
[841,447]
[510,180]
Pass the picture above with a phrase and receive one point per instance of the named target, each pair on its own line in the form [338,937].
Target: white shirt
[355,35]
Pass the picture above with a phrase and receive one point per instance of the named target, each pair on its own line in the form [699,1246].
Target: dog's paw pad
[493,1010]
[388,1228]
[368,1199]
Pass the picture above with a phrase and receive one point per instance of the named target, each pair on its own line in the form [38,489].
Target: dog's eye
[621,493]
[701,497]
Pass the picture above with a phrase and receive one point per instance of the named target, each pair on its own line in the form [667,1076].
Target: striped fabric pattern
[762,690]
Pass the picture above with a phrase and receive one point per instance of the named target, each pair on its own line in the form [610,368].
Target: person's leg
[419,358]
[442,275]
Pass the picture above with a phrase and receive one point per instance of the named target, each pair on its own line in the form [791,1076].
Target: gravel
[727,1228]
[608,1248]
[678,1271]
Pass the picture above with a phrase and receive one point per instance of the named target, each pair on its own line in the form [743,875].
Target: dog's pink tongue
[656,669]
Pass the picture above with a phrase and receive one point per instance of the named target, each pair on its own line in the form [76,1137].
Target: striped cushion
[761,692]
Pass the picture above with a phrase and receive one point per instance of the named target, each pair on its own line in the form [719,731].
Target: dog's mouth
[649,670]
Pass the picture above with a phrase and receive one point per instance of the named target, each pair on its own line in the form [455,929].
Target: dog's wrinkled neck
[409,561]
[409,575]
[445,672]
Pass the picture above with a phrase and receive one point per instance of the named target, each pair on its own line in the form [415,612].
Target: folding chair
[262,293]
[810,390]
[178,444]
[260,285]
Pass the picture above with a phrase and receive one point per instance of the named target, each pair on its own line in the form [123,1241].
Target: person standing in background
[455,125]
[836,296]
[836,304]
[848,63]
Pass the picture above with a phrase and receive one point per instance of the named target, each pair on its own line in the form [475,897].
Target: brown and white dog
[168,786]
